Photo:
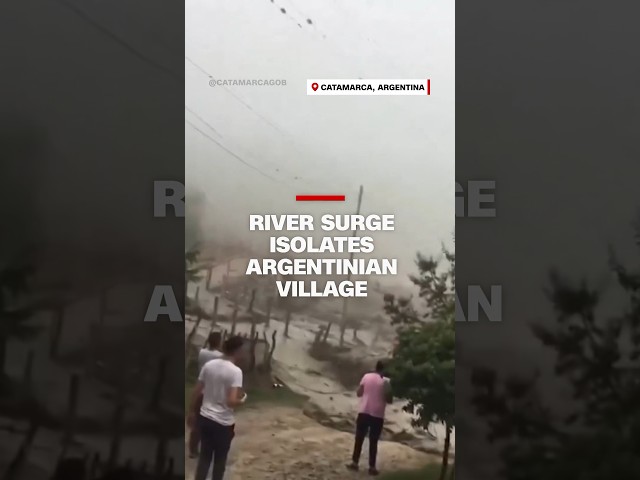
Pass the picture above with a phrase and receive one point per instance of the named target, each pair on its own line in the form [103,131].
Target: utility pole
[343,327]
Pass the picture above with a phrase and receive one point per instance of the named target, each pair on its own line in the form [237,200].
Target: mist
[251,149]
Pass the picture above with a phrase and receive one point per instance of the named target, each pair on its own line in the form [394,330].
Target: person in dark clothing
[210,351]
[374,393]
[220,387]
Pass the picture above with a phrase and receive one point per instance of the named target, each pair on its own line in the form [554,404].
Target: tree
[597,357]
[436,288]
[423,364]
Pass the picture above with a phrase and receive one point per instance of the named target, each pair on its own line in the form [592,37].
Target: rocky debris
[417,439]
[337,422]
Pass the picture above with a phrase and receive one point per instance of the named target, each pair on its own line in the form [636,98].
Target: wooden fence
[253,337]
[95,469]
[92,466]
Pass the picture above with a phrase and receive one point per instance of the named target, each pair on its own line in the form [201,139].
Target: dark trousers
[194,440]
[373,426]
[194,434]
[215,442]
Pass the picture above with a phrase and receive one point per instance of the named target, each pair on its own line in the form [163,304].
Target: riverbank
[332,403]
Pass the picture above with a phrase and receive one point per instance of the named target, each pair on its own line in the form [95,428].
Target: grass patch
[430,472]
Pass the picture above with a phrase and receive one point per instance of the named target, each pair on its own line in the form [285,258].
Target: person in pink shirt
[374,393]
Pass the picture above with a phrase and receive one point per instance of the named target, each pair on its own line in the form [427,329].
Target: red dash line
[320,198]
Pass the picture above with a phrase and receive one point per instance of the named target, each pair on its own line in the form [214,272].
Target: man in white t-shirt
[220,386]
[210,351]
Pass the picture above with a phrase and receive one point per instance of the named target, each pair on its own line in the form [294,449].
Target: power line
[244,162]
[234,155]
[239,99]
[220,135]
[267,121]
[202,120]
[337,47]
[250,108]
[123,43]
[143,57]
[198,67]
[237,157]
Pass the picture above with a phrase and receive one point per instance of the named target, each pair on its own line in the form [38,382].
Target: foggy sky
[400,148]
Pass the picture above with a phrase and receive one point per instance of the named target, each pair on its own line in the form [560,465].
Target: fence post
[160,379]
[72,407]
[273,348]
[254,344]
[326,332]
[116,438]
[94,468]
[214,314]
[161,455]
[209,275]
[58,323]
[253,316]
[234,319]
[16,463]
[194,329]
[28,369]
[268,319]
[170,467]
[251,300]
[287,320]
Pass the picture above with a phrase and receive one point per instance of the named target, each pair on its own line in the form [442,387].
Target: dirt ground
[280,443]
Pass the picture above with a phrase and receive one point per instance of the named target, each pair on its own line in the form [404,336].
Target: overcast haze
[400,148]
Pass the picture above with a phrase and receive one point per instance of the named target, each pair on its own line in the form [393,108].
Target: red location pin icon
[314,86]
